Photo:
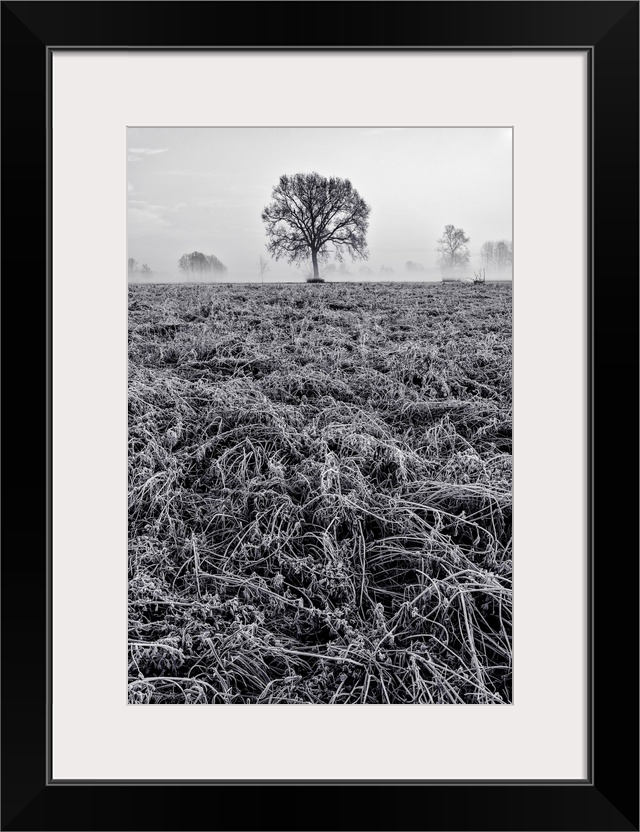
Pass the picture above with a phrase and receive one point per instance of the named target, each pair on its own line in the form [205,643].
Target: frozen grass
[320,494]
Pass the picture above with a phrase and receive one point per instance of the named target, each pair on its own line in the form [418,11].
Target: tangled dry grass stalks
[320,494]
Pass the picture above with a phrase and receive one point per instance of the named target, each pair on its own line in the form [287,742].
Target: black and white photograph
[320,415]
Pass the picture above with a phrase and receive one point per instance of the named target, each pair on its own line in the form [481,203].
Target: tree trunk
[314,261]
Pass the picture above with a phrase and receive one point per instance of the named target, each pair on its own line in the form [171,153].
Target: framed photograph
[335,300]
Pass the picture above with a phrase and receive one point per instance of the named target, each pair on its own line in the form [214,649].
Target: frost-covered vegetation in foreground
[320,494]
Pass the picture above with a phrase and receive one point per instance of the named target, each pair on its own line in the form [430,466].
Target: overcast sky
[203,189]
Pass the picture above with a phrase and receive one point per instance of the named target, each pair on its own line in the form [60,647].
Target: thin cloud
[148,151]
[146,219]
[199,174]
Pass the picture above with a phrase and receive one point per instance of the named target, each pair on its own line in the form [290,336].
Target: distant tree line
[454,252]
[132,267]
[497,255]
[198,264]
[335,268]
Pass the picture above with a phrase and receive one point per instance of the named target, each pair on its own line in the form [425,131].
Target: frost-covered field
[320,493]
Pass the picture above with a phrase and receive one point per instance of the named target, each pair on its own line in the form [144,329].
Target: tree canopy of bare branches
[311,216]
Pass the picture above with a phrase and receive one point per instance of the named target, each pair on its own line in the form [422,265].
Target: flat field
[320,493]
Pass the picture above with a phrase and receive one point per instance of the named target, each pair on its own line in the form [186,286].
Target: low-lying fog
[293,275]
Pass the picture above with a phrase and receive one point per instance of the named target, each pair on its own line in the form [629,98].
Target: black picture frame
[608,798]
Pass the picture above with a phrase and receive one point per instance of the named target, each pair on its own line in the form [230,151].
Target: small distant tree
[311,216]
[386,270]
[197,264]
[132,265]
[410,266]
[452,247]
[145,270]
[263,267]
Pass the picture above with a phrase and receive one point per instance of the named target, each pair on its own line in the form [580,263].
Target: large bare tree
[311,216]
[453,247]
